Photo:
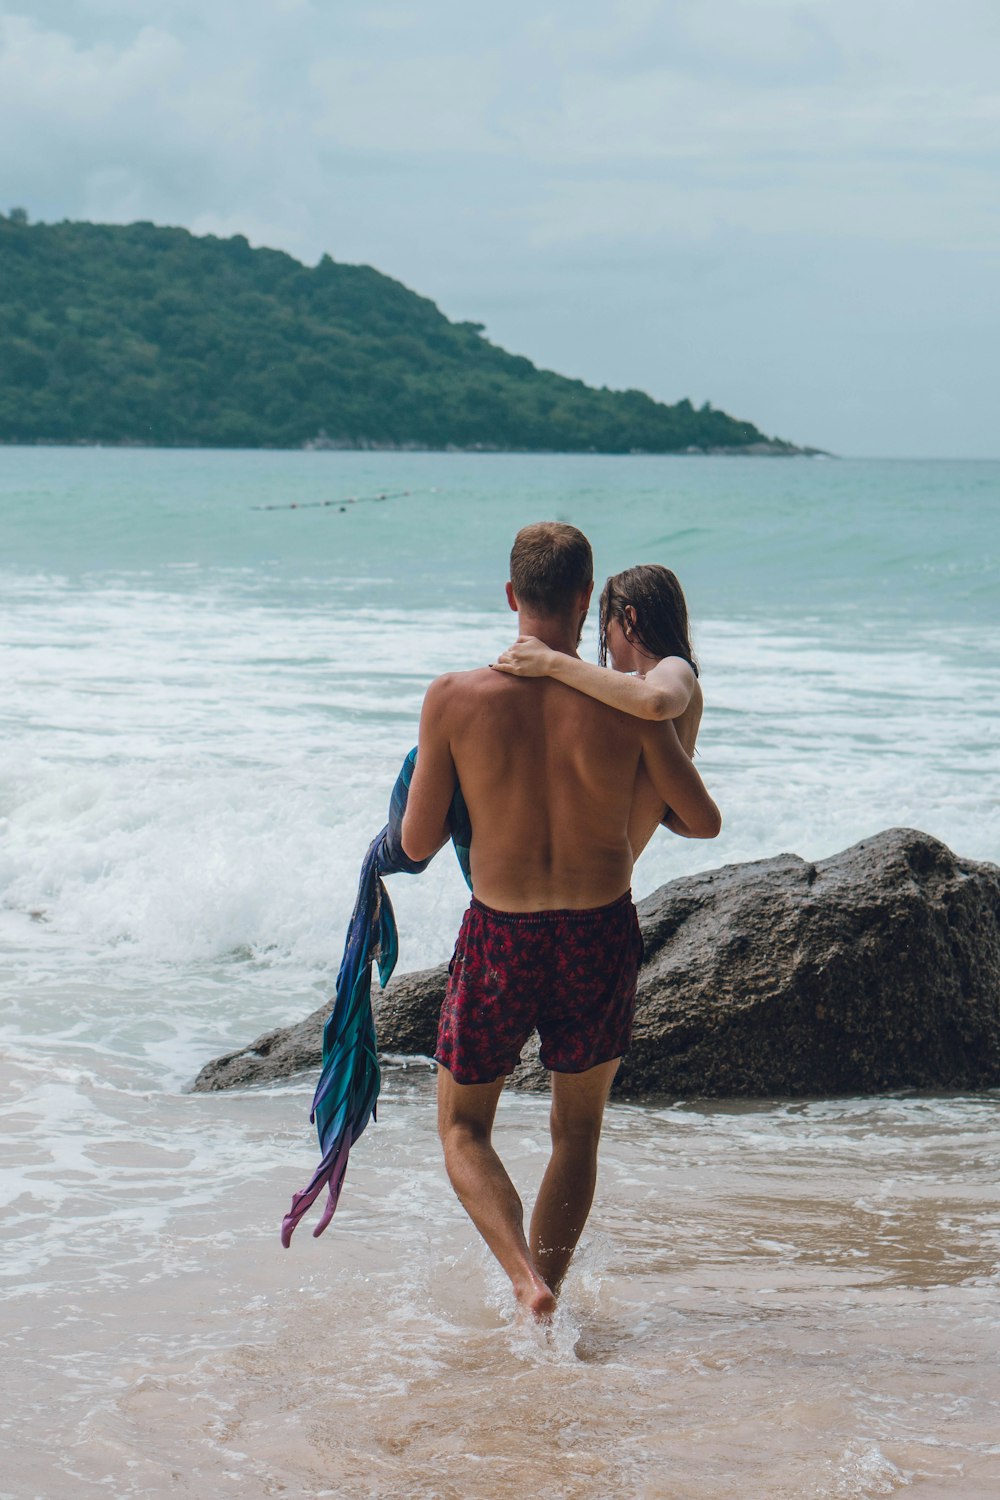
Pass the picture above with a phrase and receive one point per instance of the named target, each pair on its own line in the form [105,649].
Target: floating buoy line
[346,501]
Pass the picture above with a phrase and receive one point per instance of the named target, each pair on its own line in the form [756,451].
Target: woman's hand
[528,657]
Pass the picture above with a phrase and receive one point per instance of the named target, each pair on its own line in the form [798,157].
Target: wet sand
[787,1300]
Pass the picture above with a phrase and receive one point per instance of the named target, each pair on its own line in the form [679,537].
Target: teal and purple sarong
[348,1087]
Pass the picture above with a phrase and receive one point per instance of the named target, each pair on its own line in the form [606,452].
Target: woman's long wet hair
[661,618]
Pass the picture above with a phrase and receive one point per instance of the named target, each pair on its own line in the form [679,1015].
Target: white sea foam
[191,778]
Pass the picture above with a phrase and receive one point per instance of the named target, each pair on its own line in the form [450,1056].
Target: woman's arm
[664,692]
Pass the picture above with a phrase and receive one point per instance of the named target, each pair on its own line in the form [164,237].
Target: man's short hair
[551,565]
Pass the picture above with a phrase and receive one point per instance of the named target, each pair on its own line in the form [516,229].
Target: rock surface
[876,969]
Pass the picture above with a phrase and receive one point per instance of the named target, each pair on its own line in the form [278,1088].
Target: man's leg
[567,1189]
[465,1124]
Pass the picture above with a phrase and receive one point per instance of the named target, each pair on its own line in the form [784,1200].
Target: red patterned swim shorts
[571,974]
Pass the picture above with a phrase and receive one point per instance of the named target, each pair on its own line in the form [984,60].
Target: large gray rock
[406,1013]
[876,969]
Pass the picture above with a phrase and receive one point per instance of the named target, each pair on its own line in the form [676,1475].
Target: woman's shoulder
[674,668]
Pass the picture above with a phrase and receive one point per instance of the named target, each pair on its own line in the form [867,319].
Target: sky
[789,208]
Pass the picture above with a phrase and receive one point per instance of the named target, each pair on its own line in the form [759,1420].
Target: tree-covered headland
[139,334]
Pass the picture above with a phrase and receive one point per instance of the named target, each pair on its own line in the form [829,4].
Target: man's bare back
[562,790]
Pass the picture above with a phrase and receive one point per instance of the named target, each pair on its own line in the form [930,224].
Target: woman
[644,629]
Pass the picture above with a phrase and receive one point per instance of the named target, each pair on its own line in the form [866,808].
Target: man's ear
[584,603]
[510,597]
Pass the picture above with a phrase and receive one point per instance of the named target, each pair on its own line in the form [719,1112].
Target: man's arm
[692,813]
[425,822]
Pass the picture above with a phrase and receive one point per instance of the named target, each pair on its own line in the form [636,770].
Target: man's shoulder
[458,693]
[463,684]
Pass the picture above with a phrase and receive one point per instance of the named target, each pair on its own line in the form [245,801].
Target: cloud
[545,165]
[838,107]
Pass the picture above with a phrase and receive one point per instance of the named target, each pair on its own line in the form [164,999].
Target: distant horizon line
[375,450]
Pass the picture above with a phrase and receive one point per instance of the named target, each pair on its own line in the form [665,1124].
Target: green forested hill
[137,334]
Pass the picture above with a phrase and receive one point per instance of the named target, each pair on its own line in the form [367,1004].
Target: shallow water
[772,1300]
[204,706]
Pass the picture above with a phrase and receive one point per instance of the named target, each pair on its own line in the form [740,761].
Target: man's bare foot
[536,1299]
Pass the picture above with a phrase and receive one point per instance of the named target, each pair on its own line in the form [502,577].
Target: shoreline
[335,445]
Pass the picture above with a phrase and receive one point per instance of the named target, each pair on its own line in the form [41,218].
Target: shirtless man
[560,788]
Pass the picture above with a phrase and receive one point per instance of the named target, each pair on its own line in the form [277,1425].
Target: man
[552,780]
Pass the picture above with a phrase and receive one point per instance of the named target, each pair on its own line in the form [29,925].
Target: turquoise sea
[212,664]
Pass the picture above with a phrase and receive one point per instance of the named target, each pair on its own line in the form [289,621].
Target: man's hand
[425,822]
[528,657]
